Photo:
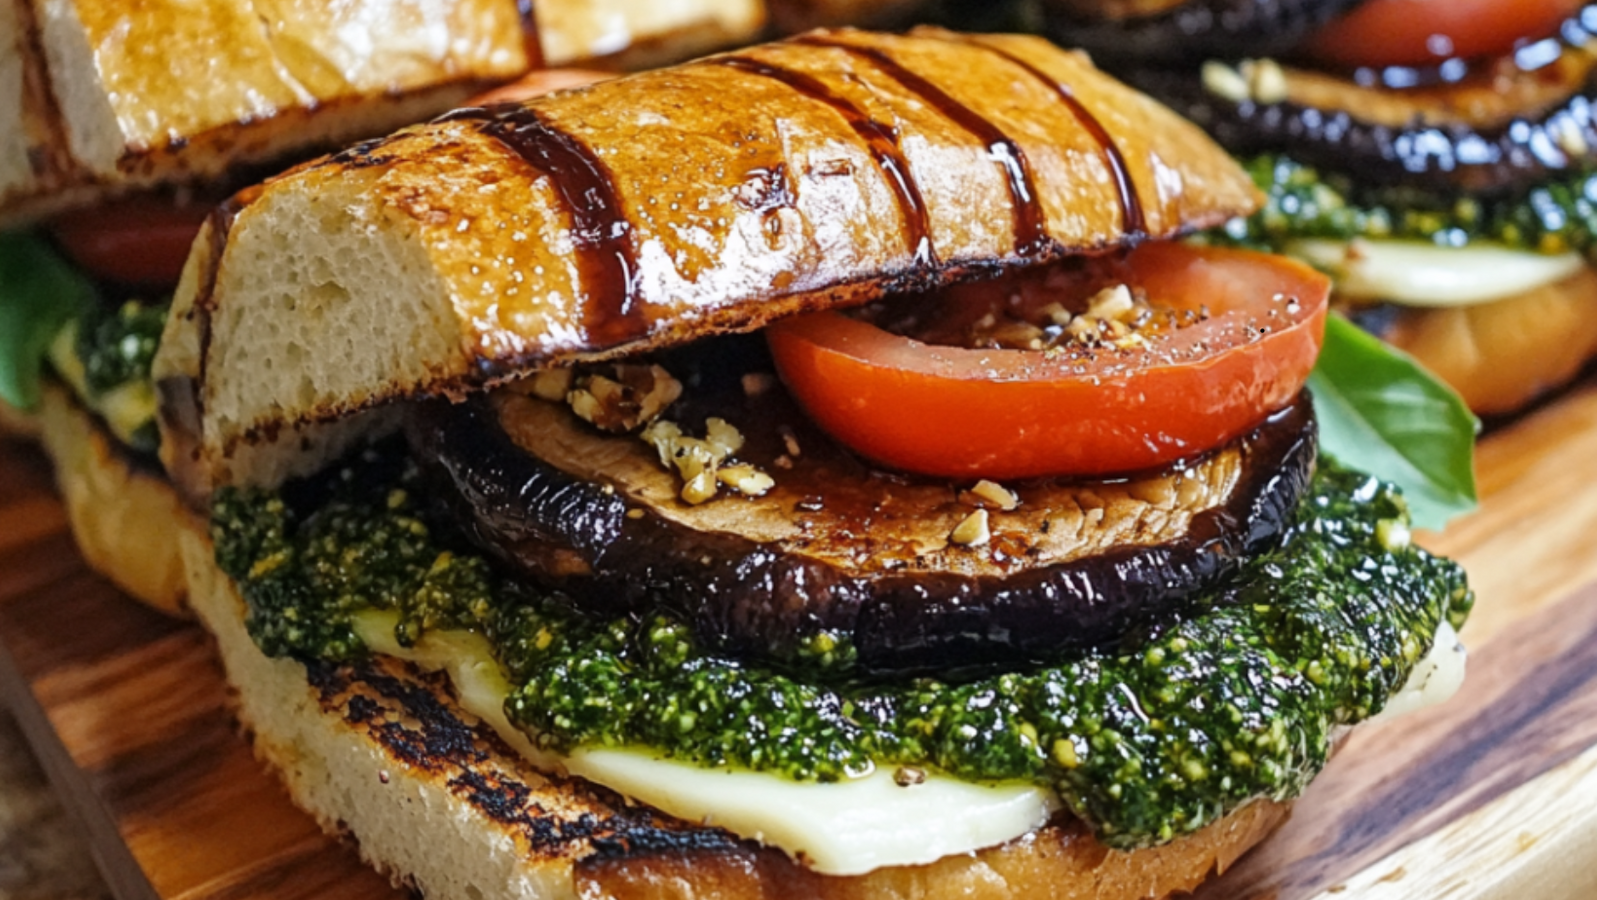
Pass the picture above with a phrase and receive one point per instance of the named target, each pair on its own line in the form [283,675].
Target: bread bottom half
[1502,355]
[125,517]
[380,753]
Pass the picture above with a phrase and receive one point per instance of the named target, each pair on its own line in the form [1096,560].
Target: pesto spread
[1302,202]
[105,355]
[1171,730]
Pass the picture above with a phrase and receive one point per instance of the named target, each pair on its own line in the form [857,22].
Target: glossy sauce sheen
[1131,214]
[881,138]
[1030,219]
[613,311]
[1031,236]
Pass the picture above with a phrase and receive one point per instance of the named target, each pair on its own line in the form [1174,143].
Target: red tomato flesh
[960,412]
[1425,32]
[138,242]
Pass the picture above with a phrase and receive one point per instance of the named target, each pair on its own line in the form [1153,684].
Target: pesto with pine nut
[1303,202]
[1177,726]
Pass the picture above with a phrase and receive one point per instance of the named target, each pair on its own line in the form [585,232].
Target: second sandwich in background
[1435,157]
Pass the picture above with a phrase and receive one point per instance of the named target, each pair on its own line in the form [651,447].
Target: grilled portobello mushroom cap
[1491,127]
[840,552]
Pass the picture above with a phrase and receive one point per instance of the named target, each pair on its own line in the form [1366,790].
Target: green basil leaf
[39,293]
[1381,413]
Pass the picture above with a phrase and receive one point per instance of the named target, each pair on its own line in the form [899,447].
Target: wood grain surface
[129,712]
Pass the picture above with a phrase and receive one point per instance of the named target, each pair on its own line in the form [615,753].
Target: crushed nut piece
[746,480]
[699,460]
[635,396]
[909,776]
[1223,81]
[1112,304]
[551,384]
[1266,80]
[990,494]
[790,441]
[973,531]
[700,487]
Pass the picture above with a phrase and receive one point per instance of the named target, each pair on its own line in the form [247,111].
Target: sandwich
[1434,158]
[812,471]
[121,128]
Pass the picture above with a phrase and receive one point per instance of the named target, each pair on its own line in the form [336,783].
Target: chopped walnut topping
[1261,80]
[990,494]
[635,396]
[909,776]
[551,384]
[973,531]
[746,480]
[700,460]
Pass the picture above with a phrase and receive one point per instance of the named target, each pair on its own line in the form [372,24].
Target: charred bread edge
[124,517]
[436,801]
[453,349]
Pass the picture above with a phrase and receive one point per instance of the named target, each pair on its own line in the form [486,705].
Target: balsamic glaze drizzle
[1031,234]
[608,271]
[1132,218]
[882,140]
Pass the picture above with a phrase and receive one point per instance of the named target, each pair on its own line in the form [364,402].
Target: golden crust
[741,199]
[381,753]
[125,518]
[126,95]
[110,96]
[1502,355]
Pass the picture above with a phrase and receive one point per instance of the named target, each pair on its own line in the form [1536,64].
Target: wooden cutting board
[1492,795]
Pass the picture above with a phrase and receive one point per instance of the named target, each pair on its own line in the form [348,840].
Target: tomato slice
[954,411]
[139,242]
[1425,32]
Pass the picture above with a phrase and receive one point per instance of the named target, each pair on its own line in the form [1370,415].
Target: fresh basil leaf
[1380,412]
[39,293]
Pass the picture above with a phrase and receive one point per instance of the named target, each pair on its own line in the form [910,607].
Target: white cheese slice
[1435,679]
[843,828]
[1415,273]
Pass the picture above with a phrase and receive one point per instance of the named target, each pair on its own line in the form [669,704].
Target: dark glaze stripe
[882,140]
[607,261]
[1132,218]
[1031,234]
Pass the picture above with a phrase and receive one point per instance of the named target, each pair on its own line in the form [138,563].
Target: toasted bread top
[636,213]
[101,96]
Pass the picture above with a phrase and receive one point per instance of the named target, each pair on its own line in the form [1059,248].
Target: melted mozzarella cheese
[843,828]
[1420,274]
[1435,679]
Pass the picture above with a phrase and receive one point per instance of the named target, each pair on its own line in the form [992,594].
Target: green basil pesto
[1302,202]
[1179,726]
[105,355]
